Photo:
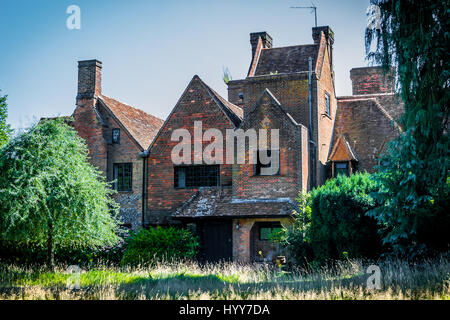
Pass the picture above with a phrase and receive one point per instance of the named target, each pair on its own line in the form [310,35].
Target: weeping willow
[412,36]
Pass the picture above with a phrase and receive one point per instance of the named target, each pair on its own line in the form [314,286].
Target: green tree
[51,195]
[5,130]
[331,222]
[414,39]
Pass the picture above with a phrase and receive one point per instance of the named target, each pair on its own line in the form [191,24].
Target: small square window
[267,230]
[123,176]
[341,168]
[116,135]
[327,104]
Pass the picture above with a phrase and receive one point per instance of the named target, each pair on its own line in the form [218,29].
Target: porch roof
[219,203]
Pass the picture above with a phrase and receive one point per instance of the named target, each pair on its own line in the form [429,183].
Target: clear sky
[151,49]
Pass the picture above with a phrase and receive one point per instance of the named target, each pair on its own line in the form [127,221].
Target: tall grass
[429,279]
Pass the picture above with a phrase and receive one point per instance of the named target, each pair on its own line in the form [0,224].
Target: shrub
[34,254]
[148,246]
[332,223]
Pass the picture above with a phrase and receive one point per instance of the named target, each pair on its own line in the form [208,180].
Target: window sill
[193,188]
[265,176]
[326,115]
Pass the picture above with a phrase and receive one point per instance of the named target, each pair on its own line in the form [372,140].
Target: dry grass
[231,281]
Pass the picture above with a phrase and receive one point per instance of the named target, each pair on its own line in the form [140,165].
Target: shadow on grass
[181,286]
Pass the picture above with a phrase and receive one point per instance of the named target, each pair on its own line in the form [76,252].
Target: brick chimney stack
[89,79]
[371,80]
[266,39]
[329,34]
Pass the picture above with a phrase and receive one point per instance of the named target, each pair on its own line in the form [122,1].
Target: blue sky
[151,49]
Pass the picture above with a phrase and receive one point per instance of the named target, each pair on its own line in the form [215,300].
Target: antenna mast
[313,8]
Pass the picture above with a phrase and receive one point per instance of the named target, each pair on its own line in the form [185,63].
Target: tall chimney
[329,34]
[89,79]
[254,38]
[372,80]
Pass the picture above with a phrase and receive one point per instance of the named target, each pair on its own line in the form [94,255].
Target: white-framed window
[327,104]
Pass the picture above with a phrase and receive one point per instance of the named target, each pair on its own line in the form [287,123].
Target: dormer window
[116,135]
[327,104]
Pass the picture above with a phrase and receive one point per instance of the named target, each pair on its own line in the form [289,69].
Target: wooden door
[217,240]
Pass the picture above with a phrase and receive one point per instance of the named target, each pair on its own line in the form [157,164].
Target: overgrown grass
[343,280]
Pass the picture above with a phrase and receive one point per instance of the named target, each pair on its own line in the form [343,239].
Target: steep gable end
[268,100]
[141,126]
[342,151]
[189,101]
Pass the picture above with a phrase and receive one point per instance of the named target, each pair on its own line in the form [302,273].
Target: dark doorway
[217,240]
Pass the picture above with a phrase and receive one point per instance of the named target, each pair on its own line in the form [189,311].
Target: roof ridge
[138,124]
[291,46]
[128,105]
[224,104]
[273,98]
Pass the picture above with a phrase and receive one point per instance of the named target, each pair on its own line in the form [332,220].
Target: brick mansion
[234,207]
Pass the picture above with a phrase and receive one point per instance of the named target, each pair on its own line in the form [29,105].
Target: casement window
[267,169]
[267,229]
[341,168]
[116,135]
[196,176]
[327,104]
[123,176]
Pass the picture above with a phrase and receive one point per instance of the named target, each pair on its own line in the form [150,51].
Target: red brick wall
[88,126]
[126,151]
[324,134]
[194,105]
[290,90]
[366,128]
[371,80]
[103,154]
[286,185]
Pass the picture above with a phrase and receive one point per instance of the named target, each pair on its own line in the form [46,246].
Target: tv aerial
[313,9]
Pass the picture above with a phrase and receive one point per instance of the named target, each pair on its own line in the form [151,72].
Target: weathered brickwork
[371,80]
[196,104]
[268,114]
[367,128]
[94,121]
[126,151]
[324,132]
[243,229]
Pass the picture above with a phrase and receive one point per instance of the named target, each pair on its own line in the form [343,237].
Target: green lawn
[345,280]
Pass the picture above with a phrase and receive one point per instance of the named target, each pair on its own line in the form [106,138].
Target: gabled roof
[141,126]
[342,151]
[275,102]
[233,112]
[219,202]
[286,59]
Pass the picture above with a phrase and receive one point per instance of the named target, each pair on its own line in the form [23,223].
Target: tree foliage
[414,38]
[5,130]
[331,223]
[156,244]
[50,194]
